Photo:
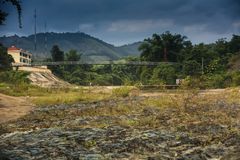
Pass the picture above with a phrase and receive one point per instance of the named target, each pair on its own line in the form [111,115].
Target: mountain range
[85,44]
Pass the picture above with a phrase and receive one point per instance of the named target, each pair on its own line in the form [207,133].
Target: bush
[193,83]
[14,77]
[215,81]
[191,68]
[164,73]
[121,92]
[235,78]
[104,80]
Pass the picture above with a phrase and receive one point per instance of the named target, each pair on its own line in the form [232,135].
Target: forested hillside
[86,44]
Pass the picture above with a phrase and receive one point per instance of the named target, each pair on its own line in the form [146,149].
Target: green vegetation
[122,91]
[91,47]
[5,59]
[201,65]
[14,77]
[57,54]
[16,83]
[69,96]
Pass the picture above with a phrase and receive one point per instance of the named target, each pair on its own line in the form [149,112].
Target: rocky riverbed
[114,143]
[124,128]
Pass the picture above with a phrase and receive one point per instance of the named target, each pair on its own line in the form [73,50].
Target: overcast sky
[125,21]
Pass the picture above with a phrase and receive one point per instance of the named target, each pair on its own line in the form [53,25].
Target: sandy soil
[13,107]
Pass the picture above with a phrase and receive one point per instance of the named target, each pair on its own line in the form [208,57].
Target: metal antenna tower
[35,29]
[45,38]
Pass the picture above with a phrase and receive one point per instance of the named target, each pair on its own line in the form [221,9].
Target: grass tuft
[122,91]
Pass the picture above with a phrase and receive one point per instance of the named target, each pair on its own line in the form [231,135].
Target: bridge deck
[134,63]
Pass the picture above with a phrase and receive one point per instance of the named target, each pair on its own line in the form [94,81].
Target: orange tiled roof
[13,48]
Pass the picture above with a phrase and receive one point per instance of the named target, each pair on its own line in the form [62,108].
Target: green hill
[89,46]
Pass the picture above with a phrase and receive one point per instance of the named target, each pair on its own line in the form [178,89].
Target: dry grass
[69,97]
[192,108]
[189,111]
[122,91]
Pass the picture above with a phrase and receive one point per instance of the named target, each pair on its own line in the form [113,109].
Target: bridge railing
[138,63]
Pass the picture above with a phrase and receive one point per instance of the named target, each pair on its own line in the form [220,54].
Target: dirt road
[12,108]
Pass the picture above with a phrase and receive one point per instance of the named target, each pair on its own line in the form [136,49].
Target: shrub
[215,81]
[121,92]
[14,77]
[193,83]
[235,78]
[164,73]
[139,85]
[191,68]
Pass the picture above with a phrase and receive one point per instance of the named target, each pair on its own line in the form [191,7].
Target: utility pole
[35,29]
[202,66]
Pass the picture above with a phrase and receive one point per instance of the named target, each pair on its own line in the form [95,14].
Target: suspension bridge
[129,63]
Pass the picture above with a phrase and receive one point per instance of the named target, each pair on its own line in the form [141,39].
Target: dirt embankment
[12,108]
[47,79]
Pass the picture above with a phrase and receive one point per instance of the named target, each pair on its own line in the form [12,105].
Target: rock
[91,157]
[54,133]
[150,111]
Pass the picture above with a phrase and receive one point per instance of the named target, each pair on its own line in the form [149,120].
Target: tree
[57,54]
[191,68]
[234,44]
[164,47]
[146,50]
[5,59]
[165,73]
[72,55]
[201,52]
[172,45]
[221,47]
[3,14]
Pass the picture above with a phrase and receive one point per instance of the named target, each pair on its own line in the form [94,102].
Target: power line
[35,29]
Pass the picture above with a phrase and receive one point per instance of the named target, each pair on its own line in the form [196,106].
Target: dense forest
[214,65]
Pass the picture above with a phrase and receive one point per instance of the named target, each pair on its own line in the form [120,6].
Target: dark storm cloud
[200,20]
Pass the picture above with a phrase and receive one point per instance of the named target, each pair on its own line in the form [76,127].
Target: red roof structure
[13,48]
